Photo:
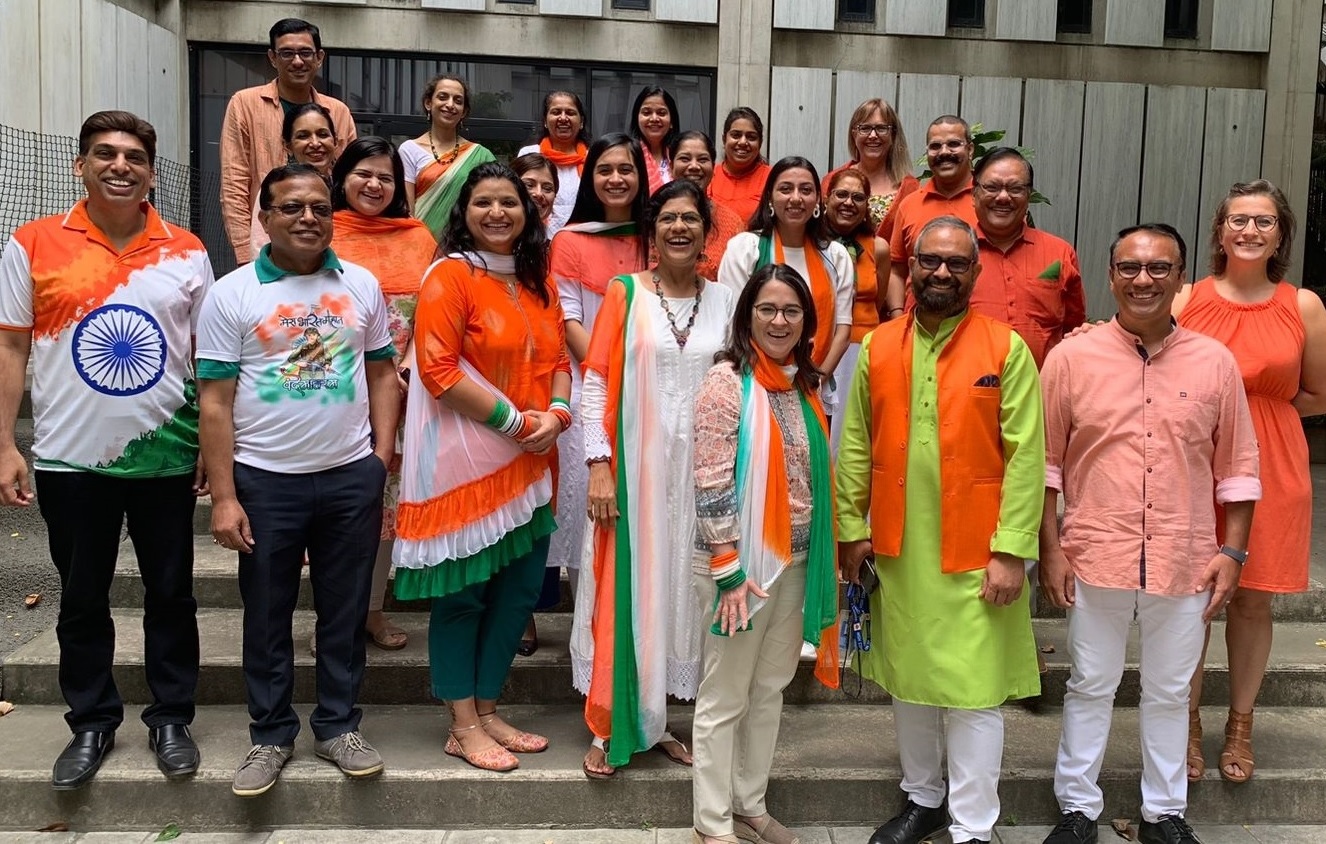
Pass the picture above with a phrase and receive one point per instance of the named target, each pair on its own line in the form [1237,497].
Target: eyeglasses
[295,210]
[844,195]
[290,55]
[690,218]
[1264,222]
[1013,191]
[865,130]
[1156,269]
[956,265]
[954,145]
[792,313]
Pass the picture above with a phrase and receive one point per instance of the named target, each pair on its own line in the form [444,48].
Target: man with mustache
[1147,430]
[251,132]
[941,474]
[948,152]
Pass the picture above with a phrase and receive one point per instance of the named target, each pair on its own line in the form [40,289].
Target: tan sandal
[495,758]
[1196,762]
[1238,747]
[769,832]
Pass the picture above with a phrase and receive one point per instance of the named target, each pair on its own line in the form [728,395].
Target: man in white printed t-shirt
[104,297]
[299,402]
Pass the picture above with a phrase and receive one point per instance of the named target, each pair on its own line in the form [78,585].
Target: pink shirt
[1141,447]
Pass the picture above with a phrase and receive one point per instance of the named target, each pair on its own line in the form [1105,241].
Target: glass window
[856,11]
[385,90]
[1180,18]
[1074,16]
[637,5]
[966,13]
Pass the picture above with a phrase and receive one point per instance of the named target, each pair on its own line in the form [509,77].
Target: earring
[771,210]
[815,214]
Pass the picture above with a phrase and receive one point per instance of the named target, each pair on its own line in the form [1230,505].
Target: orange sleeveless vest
[971,446]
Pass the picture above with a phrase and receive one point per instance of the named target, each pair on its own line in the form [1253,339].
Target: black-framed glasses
[792,313]
[1014,191]
[295,210]
[1263,222]
[865,130]
[287,55]
[1132,269]
[956,263]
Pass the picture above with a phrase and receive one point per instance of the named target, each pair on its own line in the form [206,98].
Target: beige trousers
[740,704]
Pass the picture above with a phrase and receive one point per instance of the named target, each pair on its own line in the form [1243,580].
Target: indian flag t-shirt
[112,376]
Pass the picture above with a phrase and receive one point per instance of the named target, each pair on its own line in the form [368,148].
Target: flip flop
[598,775]
[670,738]
[390,638]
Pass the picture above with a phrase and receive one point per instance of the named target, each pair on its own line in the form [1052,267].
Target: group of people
[710,389]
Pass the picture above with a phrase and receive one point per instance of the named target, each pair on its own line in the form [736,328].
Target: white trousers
[975,754]
[740,704]
[1172,636]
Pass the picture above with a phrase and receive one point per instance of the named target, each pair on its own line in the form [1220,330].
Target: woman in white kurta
[655,339]
[788,228]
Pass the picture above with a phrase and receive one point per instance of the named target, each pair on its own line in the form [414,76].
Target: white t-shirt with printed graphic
[301,399]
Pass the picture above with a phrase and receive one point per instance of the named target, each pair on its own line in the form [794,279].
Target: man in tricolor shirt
[105,299]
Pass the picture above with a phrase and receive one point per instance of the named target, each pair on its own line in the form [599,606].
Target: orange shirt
[1035,286]
[726,224]
[919,208]
[739,193]
[515,341]
[1143,447]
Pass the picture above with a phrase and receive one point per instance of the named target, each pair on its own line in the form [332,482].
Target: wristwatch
[1234,554]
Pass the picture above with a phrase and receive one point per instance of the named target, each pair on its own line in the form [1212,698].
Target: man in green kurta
[941,477]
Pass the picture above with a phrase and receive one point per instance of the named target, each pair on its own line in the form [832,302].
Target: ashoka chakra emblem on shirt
[119,350]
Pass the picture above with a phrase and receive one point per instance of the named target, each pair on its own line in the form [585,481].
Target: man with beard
[948,512]
[948,152]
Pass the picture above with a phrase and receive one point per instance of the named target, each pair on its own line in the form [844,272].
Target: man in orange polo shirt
[1029,278]
[947,192]
[251,145]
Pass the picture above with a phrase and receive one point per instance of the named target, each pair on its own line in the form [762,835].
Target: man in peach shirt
[1146,425]
[251,145]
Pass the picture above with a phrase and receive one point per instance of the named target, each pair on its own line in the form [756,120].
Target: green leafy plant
[983,141]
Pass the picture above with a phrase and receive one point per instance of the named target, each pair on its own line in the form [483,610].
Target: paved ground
[25,567]
[809,835]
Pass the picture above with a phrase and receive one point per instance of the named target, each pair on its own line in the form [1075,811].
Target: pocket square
[991,380]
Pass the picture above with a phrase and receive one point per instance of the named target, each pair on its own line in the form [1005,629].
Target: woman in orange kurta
[1278,336]
[693,160]
[739,180]
[487,401]
[372,227]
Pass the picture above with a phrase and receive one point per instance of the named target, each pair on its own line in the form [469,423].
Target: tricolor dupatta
[764,551]
[480,505]
[627,697]
[822,290]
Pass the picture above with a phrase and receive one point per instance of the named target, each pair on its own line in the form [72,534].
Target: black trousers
[336,516]
[84,513]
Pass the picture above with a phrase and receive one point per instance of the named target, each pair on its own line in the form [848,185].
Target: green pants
[473,633]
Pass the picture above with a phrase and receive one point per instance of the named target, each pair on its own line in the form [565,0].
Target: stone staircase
[836,762]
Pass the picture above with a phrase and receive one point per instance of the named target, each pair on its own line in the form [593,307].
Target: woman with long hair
[372,227]
[654,340]
[788,228]
[439,161]
[654,126]
[739,181]
[487,400]
[768,576]
[309,137]
[878,148]
[693,159]
[1277,333]
[604,238]
[563,140]
[847,220]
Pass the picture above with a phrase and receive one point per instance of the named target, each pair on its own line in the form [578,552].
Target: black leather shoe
[1073,828]
[913,825]
[81,758]
[177,754]
[972,841]
[1169,829]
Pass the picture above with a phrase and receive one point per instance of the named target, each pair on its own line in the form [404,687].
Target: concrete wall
[64,59]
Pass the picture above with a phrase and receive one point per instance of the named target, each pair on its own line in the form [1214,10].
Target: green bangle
[732,581]
[500,415]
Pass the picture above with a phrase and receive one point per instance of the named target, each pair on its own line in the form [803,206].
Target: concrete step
[834,764]
[1296,676]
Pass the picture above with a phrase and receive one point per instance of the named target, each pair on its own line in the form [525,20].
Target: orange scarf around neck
[565,159]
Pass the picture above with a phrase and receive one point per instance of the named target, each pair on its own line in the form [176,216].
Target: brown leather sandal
[1196,762]
[1238,747]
